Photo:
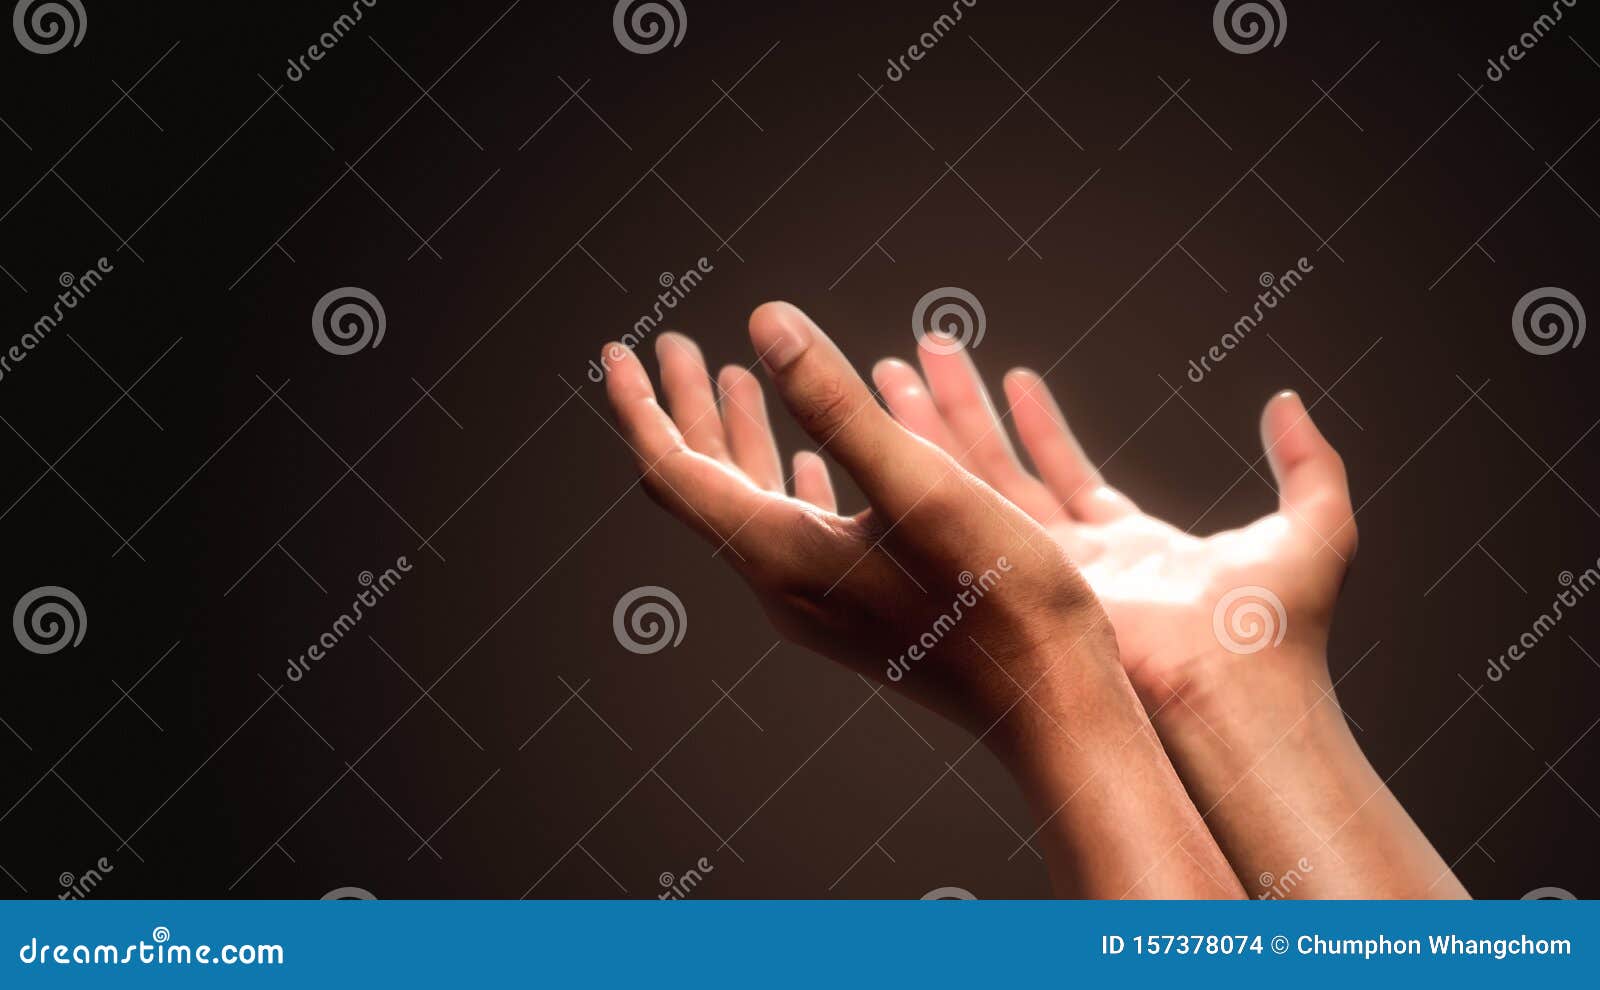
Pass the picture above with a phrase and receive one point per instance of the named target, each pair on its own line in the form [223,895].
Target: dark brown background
[221,788]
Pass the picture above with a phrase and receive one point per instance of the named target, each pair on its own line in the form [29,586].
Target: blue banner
[789,943]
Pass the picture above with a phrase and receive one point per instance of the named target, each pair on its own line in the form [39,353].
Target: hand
[1242,699]
[1161,587]
[942,588]
[922,590]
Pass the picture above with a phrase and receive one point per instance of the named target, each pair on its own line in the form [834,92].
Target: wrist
[1083,752]
[1264,749]
[1074,718]
[1246,704]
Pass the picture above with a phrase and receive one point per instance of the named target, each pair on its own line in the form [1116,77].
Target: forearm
[1265,751]
[1115,819]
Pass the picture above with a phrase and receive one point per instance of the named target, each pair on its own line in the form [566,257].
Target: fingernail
[783,338]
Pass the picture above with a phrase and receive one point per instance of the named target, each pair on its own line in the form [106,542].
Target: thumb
[1312,487]
[833,405]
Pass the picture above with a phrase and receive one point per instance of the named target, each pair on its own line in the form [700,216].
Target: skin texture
[1257,735]
[1030,666]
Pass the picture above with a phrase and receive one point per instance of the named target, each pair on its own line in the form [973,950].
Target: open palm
[1176,601]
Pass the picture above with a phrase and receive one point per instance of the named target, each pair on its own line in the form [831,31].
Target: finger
[687,385]
[1056,453]
[981,440]
[964,402]
[744,416]
[1312,485]
[706,495]
[811,482]
[912,404]
[833,405]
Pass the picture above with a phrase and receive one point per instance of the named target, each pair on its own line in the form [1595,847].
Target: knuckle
[811,543]
[824,404]
[1336,462]
[652,471]
[793,556]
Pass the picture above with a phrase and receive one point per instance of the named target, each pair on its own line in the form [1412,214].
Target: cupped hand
[942,587]
[1184,607]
